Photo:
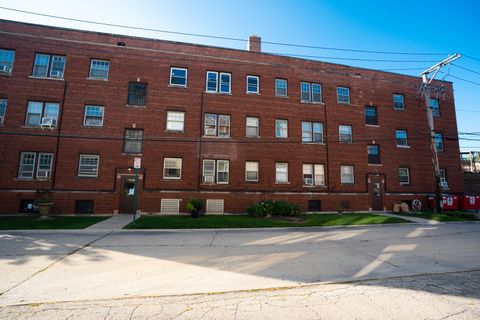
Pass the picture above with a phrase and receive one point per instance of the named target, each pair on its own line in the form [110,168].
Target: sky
[438,28]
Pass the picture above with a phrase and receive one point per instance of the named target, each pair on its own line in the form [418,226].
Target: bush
[256,210]
[273,208]
[194,206]
[460,214]
[268,207]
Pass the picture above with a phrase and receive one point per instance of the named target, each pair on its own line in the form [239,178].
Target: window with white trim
[439,141]
[215,171]
[343,95]
[312,132]
[434,105]
[35,164]
[93,116]
[251,171]
[371,116]
[398,101]
[49,66]
[219,82]
[347,175]
[172,168]
[99,69]
[443,178]
[133,141]
[311,92]
[88,165]
[253,84]
[7,58]
[373,151]
[404,176]
[401,138]
[39,113]
[313,174]
[281,172]
[344,133]
[175,120]
[281,87]
[281,128]
[252,127]
[217,125]
[3,109]
[178,76]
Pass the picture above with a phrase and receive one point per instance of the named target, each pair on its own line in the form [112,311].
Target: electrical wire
[466,69]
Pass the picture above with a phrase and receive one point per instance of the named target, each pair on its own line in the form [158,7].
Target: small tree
[194,206]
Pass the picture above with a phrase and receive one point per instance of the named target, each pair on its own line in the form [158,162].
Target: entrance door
[376,192]
[127,184]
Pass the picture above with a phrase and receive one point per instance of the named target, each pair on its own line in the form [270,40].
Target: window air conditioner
[4,68]
[208,179]
[43,174]
[55,73]
[1,119]
[47,122]
[444,184]
[308,181]
[210,131]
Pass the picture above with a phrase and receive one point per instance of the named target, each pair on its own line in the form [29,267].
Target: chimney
[255,43]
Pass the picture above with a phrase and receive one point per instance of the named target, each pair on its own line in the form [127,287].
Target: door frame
[371,179]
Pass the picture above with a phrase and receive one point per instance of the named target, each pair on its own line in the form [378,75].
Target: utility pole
[433,147]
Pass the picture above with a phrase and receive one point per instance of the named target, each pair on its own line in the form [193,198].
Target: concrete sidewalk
[409,218]
[115,222]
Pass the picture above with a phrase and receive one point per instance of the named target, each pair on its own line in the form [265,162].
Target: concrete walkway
[409,218]
[115,222]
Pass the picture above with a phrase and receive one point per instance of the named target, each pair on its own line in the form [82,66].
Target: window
[398,102]
[172,168]
[401,137]
[443,177]
[404,176]
[88,165]
[435,107]
[251,171]
[281,172]
[281,87]
[34,164]
[93,116]
[371,115]
[178,77]
[47,65]
[313,175]
[439,141]
[217,125]
[252,127]
[6,61]
[133,141]
[311,92]
[220,176]
[175,120]
[39,113]
[312,132]
[218,82]
[84,206]
[3,109]
[373,154]
[137,94]
[343,95]
[344,133]
[99,69]
[253,84]
[281,128]
[347,175]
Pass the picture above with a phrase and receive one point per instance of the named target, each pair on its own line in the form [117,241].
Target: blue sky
[410,26]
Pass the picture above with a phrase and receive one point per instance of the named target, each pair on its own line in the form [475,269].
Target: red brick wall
[150,61]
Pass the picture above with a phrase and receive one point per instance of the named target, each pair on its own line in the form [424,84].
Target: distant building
[470,161]
[230,127]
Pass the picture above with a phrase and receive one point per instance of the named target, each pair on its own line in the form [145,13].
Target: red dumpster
[447,203]
[470,203]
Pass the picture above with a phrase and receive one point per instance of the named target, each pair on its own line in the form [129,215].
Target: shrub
[268,207]
[256,210]
[460,214]
[273,208]
[194,206]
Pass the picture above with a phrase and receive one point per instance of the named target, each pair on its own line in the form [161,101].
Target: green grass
[241,221]
[29,223]
[447,216]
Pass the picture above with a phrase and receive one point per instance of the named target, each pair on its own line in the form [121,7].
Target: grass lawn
[443,217]
[241,221]
[25,223]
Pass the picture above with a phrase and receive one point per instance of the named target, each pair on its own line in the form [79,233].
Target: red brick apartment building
[230,127]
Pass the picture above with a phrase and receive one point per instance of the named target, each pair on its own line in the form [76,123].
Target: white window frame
[437,134]
[211,173]
[407,170]
[218,119]
[178,166]
[218,82]
[44,106]
[436,110]
[340,94]
[317,173]
[50,66]
[442,173]
[95,167]
[250,165]
[21,170]
[3,109]
[278,86]
[406,138]
[49,169]
[312,132]
[279,171]
[340,134]
[227,166]
[215,172]
[6,66]
[171,77]
[100,62]
[277,122]
[257,127]
[170,120]
[257,79]
[396,101]
[85,116]
[343,175]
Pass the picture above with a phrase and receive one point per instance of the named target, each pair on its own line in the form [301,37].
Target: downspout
[200,142]
[57,147]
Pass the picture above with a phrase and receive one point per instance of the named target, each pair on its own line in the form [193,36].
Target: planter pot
[45,208]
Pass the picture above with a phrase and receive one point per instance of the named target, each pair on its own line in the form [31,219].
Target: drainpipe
[60,117]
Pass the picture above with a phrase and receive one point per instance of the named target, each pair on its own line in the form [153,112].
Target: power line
[466,69]
[348,59]
[221,37]
[470,57]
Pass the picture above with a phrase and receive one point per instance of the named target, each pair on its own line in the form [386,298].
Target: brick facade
[149,61]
